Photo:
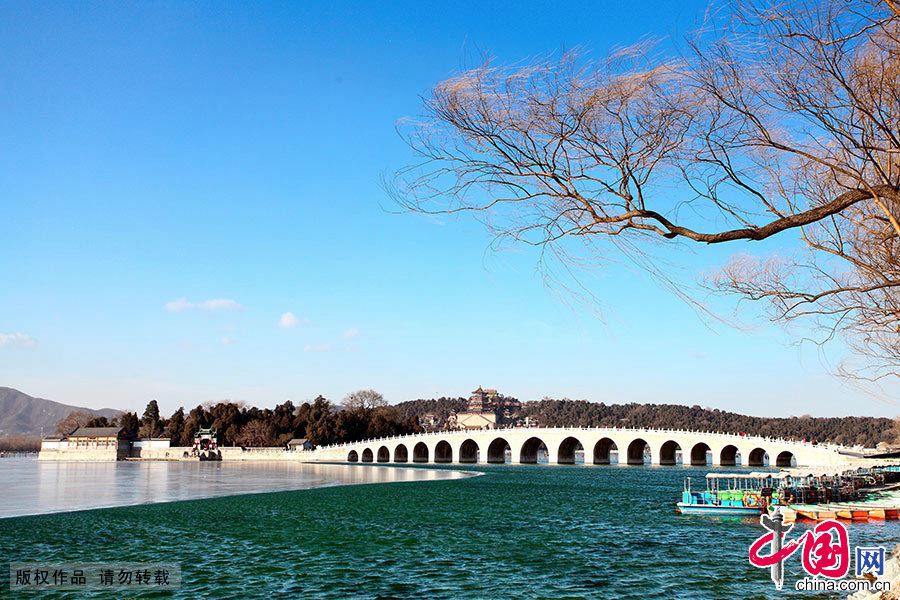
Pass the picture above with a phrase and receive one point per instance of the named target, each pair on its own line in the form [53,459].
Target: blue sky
[176,177]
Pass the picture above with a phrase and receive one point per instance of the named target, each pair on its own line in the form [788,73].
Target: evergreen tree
[130,424]
[151,426]
[194,421]
[175,426]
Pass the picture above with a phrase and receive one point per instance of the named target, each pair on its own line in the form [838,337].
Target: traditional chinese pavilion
[94,438]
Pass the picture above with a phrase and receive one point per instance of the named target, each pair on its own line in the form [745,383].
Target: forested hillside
[441,408]
[866,431]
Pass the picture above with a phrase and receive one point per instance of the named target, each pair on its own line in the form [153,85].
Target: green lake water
[516,532]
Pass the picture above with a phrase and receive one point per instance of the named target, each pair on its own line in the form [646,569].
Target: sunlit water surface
[517,532]
[38,487]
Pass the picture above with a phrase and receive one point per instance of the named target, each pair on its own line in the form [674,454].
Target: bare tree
[364,399]
[780,118]
[74,420]
[256,434]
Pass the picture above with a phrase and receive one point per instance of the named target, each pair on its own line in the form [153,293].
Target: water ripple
[517,532]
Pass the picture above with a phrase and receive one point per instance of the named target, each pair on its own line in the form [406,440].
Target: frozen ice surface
[32,487]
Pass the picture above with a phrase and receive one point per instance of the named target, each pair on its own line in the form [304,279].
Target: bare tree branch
[783,117]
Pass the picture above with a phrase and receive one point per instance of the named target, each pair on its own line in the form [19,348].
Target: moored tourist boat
[789,514]
[734,494]
[849,513]
[814,512]
[693,508]
[862,512]
[879,514]
[858,495]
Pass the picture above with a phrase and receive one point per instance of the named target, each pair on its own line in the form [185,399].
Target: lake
[518,531]
[40,487]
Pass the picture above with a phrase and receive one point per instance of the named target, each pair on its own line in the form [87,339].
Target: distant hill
[24,415]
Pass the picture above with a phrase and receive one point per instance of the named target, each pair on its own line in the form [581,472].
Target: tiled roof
[96,432]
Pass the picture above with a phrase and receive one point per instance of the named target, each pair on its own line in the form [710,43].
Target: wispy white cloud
[289,320]
[228,341]
[318,348]
[17,340]
[179,305]
[220,304]
[215,304]
[351,333]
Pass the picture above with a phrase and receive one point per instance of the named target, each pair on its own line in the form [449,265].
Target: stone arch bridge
[600,446]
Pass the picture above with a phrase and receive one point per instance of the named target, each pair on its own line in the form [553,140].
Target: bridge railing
[736,436]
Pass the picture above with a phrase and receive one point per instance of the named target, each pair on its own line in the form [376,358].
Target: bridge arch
[567,449]
[496,452]
[758,457]
[699,454]
[443,452]
[668,453]
[532,451]
[420,453]
[636,451]
[401,454]
[785,459]
[603,450]
[729,456]
[468,451]
[600,444]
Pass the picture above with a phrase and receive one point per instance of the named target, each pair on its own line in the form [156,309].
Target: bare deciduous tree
[74,420]
[780,118]
[366,399]
[256,434]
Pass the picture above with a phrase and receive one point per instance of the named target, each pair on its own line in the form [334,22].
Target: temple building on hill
[486,410]
[482,400]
